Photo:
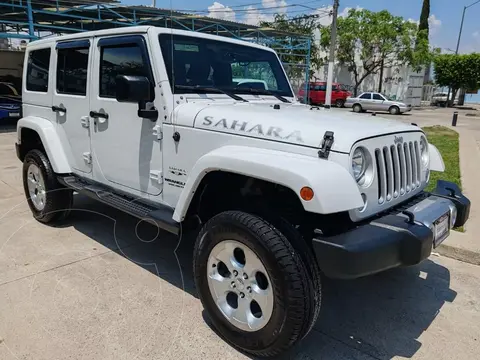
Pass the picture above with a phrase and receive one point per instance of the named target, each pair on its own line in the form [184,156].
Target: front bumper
[405,236]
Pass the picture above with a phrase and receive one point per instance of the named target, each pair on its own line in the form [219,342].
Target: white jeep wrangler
[149,121]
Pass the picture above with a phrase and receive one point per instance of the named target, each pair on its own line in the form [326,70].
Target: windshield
[224,65]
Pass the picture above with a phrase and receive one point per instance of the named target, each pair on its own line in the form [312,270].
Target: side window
[378,97]
[321,87]
[72,65]
[366,96]
[37,70]
[125,59]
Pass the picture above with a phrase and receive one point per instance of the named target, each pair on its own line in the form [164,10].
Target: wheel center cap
[240,284]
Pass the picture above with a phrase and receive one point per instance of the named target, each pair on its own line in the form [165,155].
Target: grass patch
[446,141]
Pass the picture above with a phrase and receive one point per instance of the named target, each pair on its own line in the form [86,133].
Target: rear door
[71,100]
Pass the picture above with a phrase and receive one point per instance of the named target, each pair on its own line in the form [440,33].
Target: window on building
[120,60]
[366,96]
[37,70]
[72,65]
[378,97]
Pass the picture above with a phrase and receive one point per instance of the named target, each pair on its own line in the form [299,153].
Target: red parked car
[318,90]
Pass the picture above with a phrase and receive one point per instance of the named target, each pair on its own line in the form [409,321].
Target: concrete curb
[456,253]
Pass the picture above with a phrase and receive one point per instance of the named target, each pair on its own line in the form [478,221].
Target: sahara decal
[257,129]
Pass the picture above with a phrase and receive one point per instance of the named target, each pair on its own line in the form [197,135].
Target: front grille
[398,170]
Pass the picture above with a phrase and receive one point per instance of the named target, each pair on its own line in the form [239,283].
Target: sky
[445,15]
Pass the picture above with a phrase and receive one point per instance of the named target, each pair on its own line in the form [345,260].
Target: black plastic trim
[161,215]
[77,44]
[386,241]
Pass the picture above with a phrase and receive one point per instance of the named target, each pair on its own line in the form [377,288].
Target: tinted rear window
[37,70]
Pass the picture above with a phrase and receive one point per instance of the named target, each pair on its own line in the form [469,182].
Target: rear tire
[47,198]
[357,108]
[295,303]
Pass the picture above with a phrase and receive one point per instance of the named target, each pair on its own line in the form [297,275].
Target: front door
[125,147]
[71,100]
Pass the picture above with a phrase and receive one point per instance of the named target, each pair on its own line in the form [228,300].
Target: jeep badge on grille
[398,139]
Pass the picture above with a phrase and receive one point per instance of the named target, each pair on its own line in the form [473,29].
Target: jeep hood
[289,123]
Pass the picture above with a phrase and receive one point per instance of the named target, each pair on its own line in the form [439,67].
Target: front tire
[47,198]
[253,284]
[394,110]
[339,103]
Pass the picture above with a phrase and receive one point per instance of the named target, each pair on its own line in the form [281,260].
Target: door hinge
[326,145]
[85,120]
[87,156]
[157,176]
[157,131]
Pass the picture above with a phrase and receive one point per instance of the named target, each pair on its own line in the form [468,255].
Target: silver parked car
[374,101]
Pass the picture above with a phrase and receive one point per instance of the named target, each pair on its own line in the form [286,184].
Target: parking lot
[103,286]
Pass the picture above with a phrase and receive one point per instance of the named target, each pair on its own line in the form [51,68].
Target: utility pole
[331,58]
[458,42]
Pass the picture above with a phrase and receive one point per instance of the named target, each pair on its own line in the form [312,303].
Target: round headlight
[424,151]
[359,163]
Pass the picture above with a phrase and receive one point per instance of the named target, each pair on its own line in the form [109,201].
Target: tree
[457,71]
[367,41]
[423,28]
[295,60]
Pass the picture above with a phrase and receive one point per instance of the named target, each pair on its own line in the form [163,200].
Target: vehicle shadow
[377,317]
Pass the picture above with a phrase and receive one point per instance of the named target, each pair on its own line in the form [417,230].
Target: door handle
[95,114]
[58,109]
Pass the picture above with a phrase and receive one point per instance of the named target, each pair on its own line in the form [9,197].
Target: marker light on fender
[306,193]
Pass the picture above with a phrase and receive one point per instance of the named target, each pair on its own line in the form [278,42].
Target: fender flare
[436,160]
[50,140]
[334,187]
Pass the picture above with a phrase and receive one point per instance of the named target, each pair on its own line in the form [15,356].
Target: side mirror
[133,89]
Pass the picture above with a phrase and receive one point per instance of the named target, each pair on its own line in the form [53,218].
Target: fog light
[453,216]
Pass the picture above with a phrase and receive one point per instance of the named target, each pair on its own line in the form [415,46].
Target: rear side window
[120,60]
[72,66]
[320,87]
[37,70]
[366,96]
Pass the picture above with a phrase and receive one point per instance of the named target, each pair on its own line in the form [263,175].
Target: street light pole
[461,24]
[331,58]
[458,42]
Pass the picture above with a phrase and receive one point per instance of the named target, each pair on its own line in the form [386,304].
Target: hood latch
[326,145]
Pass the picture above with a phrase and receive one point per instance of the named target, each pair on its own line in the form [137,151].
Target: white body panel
[139,156]
[51,142]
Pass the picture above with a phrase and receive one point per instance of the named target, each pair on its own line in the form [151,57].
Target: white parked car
[372,101]
[440,99]
[149,121]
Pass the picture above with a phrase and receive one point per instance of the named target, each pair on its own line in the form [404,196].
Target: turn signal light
[306,193]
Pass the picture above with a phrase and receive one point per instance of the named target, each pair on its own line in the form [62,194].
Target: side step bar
[161,215]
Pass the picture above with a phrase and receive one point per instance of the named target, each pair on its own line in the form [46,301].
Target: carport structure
[32,19]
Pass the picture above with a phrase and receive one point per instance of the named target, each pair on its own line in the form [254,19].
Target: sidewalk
[466,246]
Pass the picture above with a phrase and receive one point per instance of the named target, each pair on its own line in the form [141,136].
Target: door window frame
[118,41]
[76,44]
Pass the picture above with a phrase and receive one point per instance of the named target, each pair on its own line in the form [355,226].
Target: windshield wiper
[211,89]
[263,92]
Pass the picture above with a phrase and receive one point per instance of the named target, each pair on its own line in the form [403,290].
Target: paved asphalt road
[102,286]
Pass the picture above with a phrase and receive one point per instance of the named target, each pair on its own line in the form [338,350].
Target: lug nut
[235,272]
[249,289]
[245,276]
[242,295]
[233,284]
